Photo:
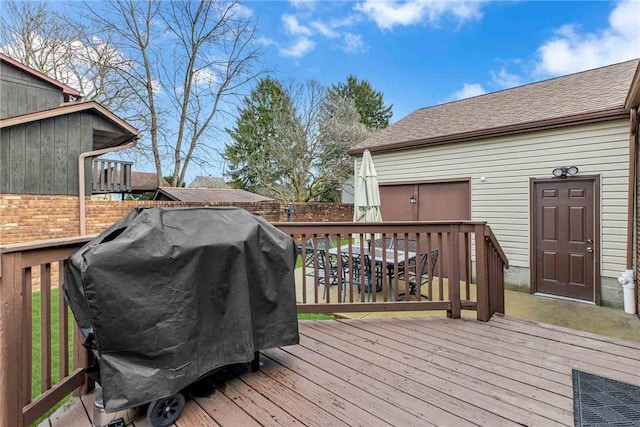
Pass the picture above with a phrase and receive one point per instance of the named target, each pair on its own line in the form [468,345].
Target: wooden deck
[410,371]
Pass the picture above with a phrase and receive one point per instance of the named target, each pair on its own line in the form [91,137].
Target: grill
[166,296]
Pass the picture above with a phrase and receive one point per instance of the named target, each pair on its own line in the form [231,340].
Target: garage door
[435,201]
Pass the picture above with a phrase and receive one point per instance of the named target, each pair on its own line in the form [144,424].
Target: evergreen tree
[368,102]
[249,165]
[291,143]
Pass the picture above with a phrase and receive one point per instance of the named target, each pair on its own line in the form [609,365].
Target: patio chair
[370,277]
[419,275]
[327,264]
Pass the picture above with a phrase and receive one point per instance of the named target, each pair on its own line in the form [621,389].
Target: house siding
[508,163]
[23,93]
[41,157]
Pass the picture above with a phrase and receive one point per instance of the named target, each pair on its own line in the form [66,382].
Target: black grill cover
[167,295]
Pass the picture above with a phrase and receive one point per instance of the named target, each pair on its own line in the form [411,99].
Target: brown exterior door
[565,246]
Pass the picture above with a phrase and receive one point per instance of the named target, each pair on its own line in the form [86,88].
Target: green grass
[36,351]
[315,316]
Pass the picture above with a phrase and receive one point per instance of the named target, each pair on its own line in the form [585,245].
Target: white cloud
[325,29]
[242,11]
[571,50]
[389,13]
[264,41]
[469,90]
[353,43]
[303,4]
[204,76]
[300,48]
[293,27]
[504,79]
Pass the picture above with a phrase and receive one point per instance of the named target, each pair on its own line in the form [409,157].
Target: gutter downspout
[81,177]
[633,168]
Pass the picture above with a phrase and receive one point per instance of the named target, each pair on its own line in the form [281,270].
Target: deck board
[409,371]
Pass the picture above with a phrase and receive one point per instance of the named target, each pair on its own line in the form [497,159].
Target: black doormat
[599,401]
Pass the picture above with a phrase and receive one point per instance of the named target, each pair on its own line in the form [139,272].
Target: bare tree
[291,141]
[191,58]
[53,44]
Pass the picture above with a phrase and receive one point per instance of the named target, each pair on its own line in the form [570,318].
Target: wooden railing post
[11,364]
[482,275]
[454,271]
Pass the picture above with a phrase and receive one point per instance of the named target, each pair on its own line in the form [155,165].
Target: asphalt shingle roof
[145,181]
[590,91]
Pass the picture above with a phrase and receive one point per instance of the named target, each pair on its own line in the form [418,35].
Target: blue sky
[421,53]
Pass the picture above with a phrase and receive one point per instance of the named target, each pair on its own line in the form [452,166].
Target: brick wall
[25,218]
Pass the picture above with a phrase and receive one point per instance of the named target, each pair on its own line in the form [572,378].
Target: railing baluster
[27,330]
[467,266]
[45,326]
[440,263]
[303,257]
[63,331]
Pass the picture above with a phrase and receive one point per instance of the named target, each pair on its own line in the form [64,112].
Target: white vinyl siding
[507,163]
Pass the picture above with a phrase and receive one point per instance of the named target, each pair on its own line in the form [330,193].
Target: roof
[67,90]
[583,97]
[208,182]
[210,195]
[102,139]
[145,181]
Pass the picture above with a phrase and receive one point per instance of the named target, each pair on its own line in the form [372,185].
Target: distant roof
[67,90]
[145,181]
[210,195]
[102,139]
[582,97]
[208,182]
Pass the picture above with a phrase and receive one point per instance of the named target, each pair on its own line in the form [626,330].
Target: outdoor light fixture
[565,171]
[412,199]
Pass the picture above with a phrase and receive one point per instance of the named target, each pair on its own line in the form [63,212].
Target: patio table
[381,255]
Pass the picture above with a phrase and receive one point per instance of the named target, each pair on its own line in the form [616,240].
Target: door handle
[590,250]
[590,241]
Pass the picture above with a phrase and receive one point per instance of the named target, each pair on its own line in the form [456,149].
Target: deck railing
[331,269]
[37,268]
[110,176]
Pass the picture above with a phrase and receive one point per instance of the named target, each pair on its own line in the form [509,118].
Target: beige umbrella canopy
[366,206]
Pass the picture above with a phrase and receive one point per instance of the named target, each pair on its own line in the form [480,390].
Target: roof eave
[66,90]
[131,132]
[572,120]
[633,97]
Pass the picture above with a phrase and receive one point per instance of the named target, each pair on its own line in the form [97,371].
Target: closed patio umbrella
[367,193]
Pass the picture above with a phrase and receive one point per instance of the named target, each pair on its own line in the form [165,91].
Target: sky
[420,53]
[423,53]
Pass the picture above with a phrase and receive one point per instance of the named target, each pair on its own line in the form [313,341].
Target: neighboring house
[208,182]
[491,158]
[142,185]
[226,195]
[49,137]
[146,182]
